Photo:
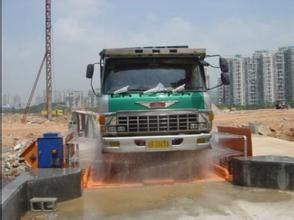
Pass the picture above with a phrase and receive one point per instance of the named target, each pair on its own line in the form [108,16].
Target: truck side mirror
[225,78]
[223,65]
[90,71]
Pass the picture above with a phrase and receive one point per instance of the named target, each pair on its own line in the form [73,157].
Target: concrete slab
[14,200]
[64,184]
[264,171]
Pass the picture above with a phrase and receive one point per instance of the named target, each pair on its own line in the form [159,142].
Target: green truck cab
[154,99]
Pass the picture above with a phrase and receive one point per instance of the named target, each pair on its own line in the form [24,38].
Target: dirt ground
[269,122]
[14,131]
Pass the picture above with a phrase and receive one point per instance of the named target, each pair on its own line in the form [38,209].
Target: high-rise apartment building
[6,99]
[263,78]
[251,81]
[264,71]
[223,94]
[279,74]
[289,73]
[17,101]
[237,73]
[236,91]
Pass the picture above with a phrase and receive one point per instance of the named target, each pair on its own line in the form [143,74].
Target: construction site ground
[212,198]
[14,131]
[270,122]
[267,122]
[17,135]
[278,124]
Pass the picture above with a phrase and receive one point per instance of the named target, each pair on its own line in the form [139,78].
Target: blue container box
[50,150]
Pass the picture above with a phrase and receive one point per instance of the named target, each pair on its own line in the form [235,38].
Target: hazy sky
[81,28]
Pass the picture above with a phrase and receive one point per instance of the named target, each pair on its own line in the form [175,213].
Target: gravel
[12,164]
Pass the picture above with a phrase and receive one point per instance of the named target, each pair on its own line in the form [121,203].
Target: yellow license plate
[158,144]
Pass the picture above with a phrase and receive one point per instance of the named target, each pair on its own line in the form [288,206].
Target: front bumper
[128,145]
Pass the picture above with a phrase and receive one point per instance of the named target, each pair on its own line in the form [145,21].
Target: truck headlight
[121,128]
[111,129]
[193,126]
[202,126]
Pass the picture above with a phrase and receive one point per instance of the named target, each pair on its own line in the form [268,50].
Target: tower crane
[48,59]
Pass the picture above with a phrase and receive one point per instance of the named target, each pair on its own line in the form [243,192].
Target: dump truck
[154,99]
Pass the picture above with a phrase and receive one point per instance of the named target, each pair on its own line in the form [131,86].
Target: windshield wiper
[179,88]
[121,90]
[158,88]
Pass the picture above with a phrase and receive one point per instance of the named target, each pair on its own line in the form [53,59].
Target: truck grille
[157,123]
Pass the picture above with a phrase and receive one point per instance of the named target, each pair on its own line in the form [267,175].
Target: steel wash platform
[213,198]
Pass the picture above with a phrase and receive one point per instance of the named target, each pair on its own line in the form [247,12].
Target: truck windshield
[145,76]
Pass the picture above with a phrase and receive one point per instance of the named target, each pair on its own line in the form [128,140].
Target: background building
[289,73]
[280,74]
[224,95]
[237,67]
[251,80]
[263,78]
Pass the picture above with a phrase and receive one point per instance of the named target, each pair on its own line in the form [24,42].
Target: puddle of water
[203,200]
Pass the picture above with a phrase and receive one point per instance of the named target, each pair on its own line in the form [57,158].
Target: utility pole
[48,60]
